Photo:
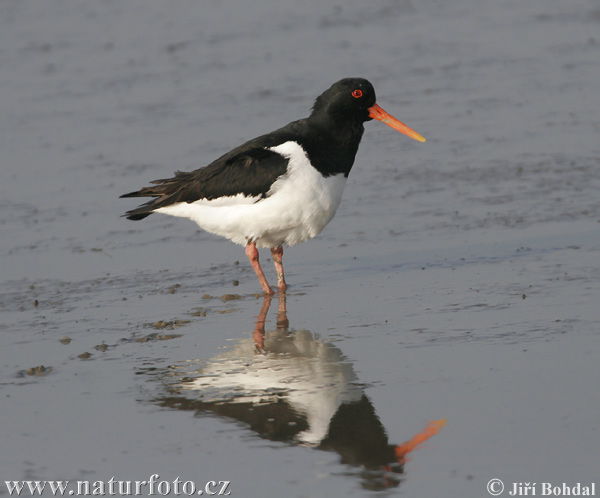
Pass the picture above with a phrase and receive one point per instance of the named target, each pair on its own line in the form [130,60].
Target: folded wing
[249,172]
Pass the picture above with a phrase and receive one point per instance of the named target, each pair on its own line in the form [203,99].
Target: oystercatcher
[279,188]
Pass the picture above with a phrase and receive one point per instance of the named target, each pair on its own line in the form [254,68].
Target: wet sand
[458,281]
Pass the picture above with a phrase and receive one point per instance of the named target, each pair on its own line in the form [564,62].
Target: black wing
[247,170]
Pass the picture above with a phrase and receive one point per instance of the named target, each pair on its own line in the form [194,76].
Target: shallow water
[459,279]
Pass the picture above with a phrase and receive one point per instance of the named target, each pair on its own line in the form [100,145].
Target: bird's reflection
[289,386]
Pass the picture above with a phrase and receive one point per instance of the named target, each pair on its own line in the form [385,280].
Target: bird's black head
[348,99]
[343,108]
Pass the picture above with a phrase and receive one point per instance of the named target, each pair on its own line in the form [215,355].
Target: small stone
[230,297]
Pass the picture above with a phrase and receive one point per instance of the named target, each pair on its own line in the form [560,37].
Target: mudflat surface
[460,279]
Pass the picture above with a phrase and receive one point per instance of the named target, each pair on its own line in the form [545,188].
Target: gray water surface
[459,280]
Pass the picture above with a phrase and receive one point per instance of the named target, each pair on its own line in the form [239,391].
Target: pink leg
[277,254]
[252,253]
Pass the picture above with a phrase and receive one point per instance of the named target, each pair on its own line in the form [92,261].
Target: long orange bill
[379,114]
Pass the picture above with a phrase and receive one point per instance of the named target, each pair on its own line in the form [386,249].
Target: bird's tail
[161,190]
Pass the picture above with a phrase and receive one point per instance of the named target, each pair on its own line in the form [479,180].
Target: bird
[281,188]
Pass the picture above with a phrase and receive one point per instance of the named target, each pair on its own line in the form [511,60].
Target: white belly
[297,207]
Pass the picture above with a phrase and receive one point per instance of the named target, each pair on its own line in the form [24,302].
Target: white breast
[297,207]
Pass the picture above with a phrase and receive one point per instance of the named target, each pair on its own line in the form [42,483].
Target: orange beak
[379,114]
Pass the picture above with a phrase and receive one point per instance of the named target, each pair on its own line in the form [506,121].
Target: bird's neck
[332,146]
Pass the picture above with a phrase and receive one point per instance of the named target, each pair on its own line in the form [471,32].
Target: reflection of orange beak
[405,448]
[379,114]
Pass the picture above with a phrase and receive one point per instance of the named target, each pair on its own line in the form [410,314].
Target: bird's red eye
[357,94]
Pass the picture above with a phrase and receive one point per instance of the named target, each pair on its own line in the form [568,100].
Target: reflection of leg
[282,319]
[259,330]
[277,254]
[252,253]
